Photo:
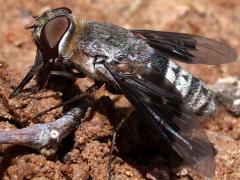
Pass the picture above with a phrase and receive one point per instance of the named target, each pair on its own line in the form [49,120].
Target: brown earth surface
[84,154]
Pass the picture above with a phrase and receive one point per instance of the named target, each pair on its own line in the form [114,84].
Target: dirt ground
[140,154]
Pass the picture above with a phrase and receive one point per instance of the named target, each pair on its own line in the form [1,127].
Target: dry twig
[46,137]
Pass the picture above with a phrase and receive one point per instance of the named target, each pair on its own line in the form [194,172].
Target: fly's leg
[33,71]
[35,89]
[45,69]
[114,136]
[71,75]
[88,91]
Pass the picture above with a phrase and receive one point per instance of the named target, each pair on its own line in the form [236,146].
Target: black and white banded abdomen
[196,95]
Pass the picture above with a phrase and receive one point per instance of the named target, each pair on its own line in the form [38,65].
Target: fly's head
[57,34]
[53,31]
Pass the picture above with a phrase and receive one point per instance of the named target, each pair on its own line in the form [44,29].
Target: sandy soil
[139,155]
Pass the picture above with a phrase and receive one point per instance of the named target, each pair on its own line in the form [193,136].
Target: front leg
[33,71]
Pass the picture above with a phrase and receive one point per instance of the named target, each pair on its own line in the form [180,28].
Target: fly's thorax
[112,41]
[193,90]
[70,51]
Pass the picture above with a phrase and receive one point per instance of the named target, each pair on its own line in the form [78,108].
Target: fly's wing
[175,120]
[188,48]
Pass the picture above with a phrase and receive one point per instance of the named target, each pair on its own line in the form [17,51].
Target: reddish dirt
[84,154]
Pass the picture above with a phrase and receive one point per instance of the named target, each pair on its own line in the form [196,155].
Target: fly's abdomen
[196,95]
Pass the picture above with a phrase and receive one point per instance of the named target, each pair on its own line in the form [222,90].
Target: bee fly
[138,64]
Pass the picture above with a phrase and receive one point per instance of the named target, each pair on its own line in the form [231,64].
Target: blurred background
[217,19]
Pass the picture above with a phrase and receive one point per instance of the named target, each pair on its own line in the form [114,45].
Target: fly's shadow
[138,142]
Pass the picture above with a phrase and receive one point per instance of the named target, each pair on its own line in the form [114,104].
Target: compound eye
[51,35]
